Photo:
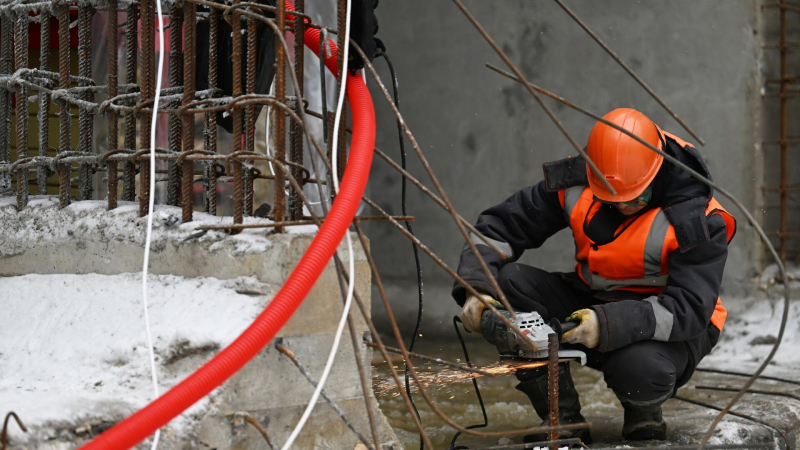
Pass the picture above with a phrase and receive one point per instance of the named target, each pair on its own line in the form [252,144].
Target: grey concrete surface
[485,137]
[84,238]
[509,409]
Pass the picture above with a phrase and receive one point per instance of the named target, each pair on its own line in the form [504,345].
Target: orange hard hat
[627,164]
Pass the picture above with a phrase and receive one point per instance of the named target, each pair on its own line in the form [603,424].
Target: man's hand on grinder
[472,311]
[587,333]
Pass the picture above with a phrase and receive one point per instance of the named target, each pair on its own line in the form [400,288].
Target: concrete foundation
[84,238]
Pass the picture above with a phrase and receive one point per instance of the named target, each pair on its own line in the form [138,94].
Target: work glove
[472,311]
[587,333]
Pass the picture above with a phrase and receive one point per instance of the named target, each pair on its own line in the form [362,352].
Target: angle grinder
[532,325]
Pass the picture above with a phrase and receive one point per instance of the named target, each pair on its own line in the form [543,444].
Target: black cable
[456,321]
[382,52]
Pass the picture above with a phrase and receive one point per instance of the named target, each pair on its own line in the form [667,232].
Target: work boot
[533,383]
[643,423]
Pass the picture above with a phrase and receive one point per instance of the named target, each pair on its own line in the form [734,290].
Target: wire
[351,276]
[150,210]
[395,90]
[456,321]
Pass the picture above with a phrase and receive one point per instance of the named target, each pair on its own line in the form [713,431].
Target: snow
[72,347]
[42,221]
[749,334]
[748,337]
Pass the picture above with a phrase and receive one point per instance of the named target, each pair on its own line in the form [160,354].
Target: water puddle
[452,392]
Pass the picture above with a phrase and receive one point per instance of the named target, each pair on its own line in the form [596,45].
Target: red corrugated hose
[158,413]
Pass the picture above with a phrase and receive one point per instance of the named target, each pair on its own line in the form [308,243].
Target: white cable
[351,277]
[150,210]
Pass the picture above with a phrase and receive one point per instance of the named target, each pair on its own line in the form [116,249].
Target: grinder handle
[561,328]
[566,326]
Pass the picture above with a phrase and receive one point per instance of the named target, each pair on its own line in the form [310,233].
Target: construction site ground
[751,327]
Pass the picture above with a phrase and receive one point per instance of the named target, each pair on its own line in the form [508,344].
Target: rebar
[113,82]
[456,366]
[147,67]
[324,53]
[210,118]
[747,375]
[552,386]
[189,66]
[784,154]
[311,380]
[535,95]
[749,391]
[786,440]
[296,152]
[238,200]
[250,113]
[21,62]
[280,120]
[6,67]
[287,223]
[257,426]
[449,206]
[341,276]
[85,116]
[629,70]
[366,387]
[131,62]
[174,133]
[44,100]
[64,119]
[340,77]
[4,434]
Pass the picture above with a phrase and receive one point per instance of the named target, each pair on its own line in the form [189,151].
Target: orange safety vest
[638,259]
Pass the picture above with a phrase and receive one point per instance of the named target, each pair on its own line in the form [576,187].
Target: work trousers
[643,373]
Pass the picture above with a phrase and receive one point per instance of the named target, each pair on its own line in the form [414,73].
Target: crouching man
[649,263]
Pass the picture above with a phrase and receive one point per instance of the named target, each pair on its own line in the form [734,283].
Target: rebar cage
[126,108]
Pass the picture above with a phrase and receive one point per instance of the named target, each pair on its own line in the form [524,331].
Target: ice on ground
[73,347]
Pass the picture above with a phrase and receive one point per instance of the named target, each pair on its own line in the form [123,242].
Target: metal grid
[784,141]
[132,103]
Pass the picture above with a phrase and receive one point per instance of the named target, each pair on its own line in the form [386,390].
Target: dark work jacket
[529,217]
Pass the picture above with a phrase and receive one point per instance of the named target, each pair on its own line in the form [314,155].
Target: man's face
[634,206]
[627,209]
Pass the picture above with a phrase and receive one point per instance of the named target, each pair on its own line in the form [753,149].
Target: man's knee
[640,373]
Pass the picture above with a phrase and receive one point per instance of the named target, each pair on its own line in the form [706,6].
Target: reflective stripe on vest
[599,283]
[571,197]
[654,245]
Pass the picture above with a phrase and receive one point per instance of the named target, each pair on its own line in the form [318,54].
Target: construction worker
[645,289]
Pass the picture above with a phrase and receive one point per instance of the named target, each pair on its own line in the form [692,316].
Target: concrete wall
[485,137]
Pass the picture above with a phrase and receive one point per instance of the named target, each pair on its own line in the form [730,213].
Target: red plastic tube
[158,413]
